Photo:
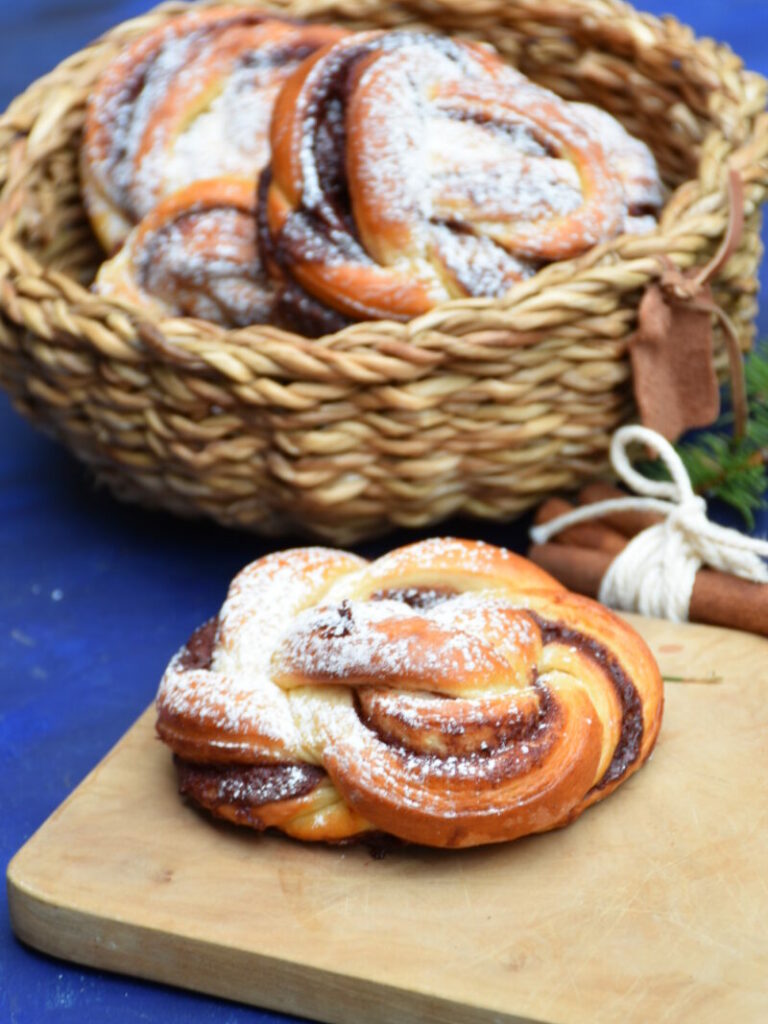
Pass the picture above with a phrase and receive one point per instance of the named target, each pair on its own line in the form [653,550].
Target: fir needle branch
[735,470]
[710,679]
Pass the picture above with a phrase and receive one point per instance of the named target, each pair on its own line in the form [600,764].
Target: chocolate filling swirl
[631,736]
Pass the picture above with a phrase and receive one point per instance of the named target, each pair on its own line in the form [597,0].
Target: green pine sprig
[723,466]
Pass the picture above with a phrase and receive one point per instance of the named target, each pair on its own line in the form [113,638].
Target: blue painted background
[95,596]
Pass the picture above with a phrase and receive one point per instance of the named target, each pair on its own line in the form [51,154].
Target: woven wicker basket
[481,406]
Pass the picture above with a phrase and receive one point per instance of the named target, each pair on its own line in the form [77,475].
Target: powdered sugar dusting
[237,693]
[524,188]
[386,642]
[249,787]
[486,616]
[461,177]
[630,158]
[195,255]
[233,707]
[443,787]
[207,257]
[274,603]
[231,136]
[475,263]
[436,560]
[197,104]
[125,117]
[140,174]
[265,597]
[388,117]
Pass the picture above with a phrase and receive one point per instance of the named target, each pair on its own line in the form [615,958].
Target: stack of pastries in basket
[246,169]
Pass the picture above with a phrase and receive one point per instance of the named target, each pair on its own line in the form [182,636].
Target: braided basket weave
[480,406]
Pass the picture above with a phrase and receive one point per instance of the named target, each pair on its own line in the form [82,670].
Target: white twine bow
[655,573]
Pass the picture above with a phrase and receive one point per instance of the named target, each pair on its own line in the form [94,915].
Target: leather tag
[673,367]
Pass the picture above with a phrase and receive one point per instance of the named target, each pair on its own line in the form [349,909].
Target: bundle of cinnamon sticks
[579,557]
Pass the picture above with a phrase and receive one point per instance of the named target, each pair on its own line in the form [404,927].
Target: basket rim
[518,318]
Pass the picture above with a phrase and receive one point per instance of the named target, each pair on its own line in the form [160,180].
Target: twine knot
[654,575]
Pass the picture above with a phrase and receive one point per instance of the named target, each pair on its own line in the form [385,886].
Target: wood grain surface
[651,908]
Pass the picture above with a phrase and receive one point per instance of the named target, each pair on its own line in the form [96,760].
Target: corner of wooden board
[30,908]
[35,911]
[68,933]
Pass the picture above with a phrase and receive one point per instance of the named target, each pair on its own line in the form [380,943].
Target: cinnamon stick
[575,567]
[718,598]
[628,523]
[594,535]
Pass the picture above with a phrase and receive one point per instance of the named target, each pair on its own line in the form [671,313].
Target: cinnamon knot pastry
[409,169]
[195,255]
[188,101]
[449,694]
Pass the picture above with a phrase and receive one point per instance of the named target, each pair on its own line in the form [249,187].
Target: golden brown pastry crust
[410,169]
[195,255]
[155,121]
[450,694]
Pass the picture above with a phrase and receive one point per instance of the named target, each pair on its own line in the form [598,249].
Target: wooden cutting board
[652,908]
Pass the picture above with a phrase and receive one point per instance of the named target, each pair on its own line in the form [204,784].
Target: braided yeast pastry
[195,254]
[189,101]
[449,693]
[409,169]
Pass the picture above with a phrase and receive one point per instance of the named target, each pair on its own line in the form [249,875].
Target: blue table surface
[95,595]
